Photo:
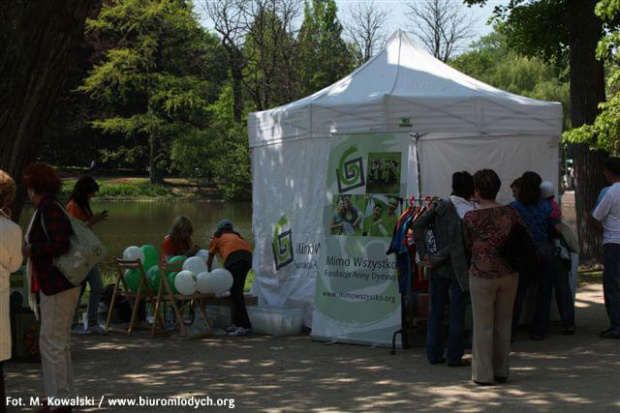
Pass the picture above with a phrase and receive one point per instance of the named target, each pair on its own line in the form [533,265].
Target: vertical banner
[357,299]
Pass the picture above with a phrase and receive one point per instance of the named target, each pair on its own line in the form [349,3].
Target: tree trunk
[587,90]
[237,84]
[156,176]
[38,38]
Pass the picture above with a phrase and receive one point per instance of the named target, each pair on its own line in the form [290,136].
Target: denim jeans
[611,284]
[552,276]
[96,292]
[440,287]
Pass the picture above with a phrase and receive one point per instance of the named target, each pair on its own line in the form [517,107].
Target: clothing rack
[410,299]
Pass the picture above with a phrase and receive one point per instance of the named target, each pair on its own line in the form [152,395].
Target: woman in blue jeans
[79,207]
[536,214]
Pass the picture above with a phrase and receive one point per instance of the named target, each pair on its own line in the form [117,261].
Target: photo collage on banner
[357,291]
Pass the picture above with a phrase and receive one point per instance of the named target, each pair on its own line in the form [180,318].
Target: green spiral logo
[350,172]
[282,244]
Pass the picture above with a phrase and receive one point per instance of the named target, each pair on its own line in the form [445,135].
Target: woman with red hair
[48,238]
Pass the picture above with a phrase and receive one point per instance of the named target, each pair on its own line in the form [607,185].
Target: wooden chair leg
[111,309]
[179,315]
[136,305]
[156,310]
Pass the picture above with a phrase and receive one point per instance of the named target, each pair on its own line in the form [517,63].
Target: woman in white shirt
[10,261]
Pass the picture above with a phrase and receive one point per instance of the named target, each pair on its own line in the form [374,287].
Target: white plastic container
[276,321]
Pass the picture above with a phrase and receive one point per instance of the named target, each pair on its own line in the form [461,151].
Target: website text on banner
[357,299]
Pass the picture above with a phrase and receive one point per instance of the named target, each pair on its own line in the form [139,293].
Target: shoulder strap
[62,208]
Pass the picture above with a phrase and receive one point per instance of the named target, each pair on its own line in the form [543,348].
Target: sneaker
[97,329]
[231,328]
[241,332]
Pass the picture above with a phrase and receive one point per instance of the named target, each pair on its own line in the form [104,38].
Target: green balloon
[151,256]
[153,275]
[132,278]
[171,282]
[175,260]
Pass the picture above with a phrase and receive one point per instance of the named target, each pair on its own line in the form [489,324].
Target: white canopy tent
[453,122]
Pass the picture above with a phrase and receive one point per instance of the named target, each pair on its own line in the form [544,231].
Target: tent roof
[405,88]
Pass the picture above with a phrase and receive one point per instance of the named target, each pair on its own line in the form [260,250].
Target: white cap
[546,190]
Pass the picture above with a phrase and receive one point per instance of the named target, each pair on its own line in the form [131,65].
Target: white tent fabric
[404,81]
[453,122]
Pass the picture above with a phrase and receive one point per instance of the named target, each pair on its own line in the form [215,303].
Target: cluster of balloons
[196,277]
[193,277]
[148,256]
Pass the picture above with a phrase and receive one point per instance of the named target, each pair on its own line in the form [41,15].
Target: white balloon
[195,265]
[133,253]
[224,280]
[204,254]
[206,283]
[216,264]
[185,282]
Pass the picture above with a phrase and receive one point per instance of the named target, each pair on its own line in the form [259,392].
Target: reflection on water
[139,223]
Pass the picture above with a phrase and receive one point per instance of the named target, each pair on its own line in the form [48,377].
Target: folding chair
[121,288]
[165,294]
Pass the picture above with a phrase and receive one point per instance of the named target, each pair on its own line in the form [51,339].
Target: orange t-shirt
[77,212]
[227,244]
[171,248]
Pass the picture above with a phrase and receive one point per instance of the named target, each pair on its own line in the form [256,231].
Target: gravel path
[577,373]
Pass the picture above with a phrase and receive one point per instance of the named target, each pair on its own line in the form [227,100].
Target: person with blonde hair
[180,239]
[10,261]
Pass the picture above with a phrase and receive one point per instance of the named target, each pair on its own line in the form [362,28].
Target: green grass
[249,281]
[123,188]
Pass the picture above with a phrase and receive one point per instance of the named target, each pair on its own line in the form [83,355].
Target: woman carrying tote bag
[48,238]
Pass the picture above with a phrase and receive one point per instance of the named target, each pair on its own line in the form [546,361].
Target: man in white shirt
[607,212]
[461,201]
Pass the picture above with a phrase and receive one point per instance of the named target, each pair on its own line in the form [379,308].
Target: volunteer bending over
[236,254]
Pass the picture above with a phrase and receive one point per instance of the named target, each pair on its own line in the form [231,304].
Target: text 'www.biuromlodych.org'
[140,401]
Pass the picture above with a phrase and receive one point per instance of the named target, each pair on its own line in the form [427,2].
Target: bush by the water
[124,188]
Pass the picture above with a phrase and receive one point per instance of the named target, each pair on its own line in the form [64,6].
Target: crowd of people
[54,299]
[471,229]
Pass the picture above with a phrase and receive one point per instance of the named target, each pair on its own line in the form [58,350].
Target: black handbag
[518,250]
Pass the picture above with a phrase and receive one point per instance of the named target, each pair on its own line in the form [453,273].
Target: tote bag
[85,251]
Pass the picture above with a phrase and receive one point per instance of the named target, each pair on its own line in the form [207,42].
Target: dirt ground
[295,374]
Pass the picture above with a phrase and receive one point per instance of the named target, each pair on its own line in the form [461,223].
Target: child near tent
[236,254]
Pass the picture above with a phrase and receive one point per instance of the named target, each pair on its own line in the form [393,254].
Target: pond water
[139,223]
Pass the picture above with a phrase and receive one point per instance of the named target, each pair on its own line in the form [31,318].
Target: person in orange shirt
[236,254]
[79,207]
[180,240]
